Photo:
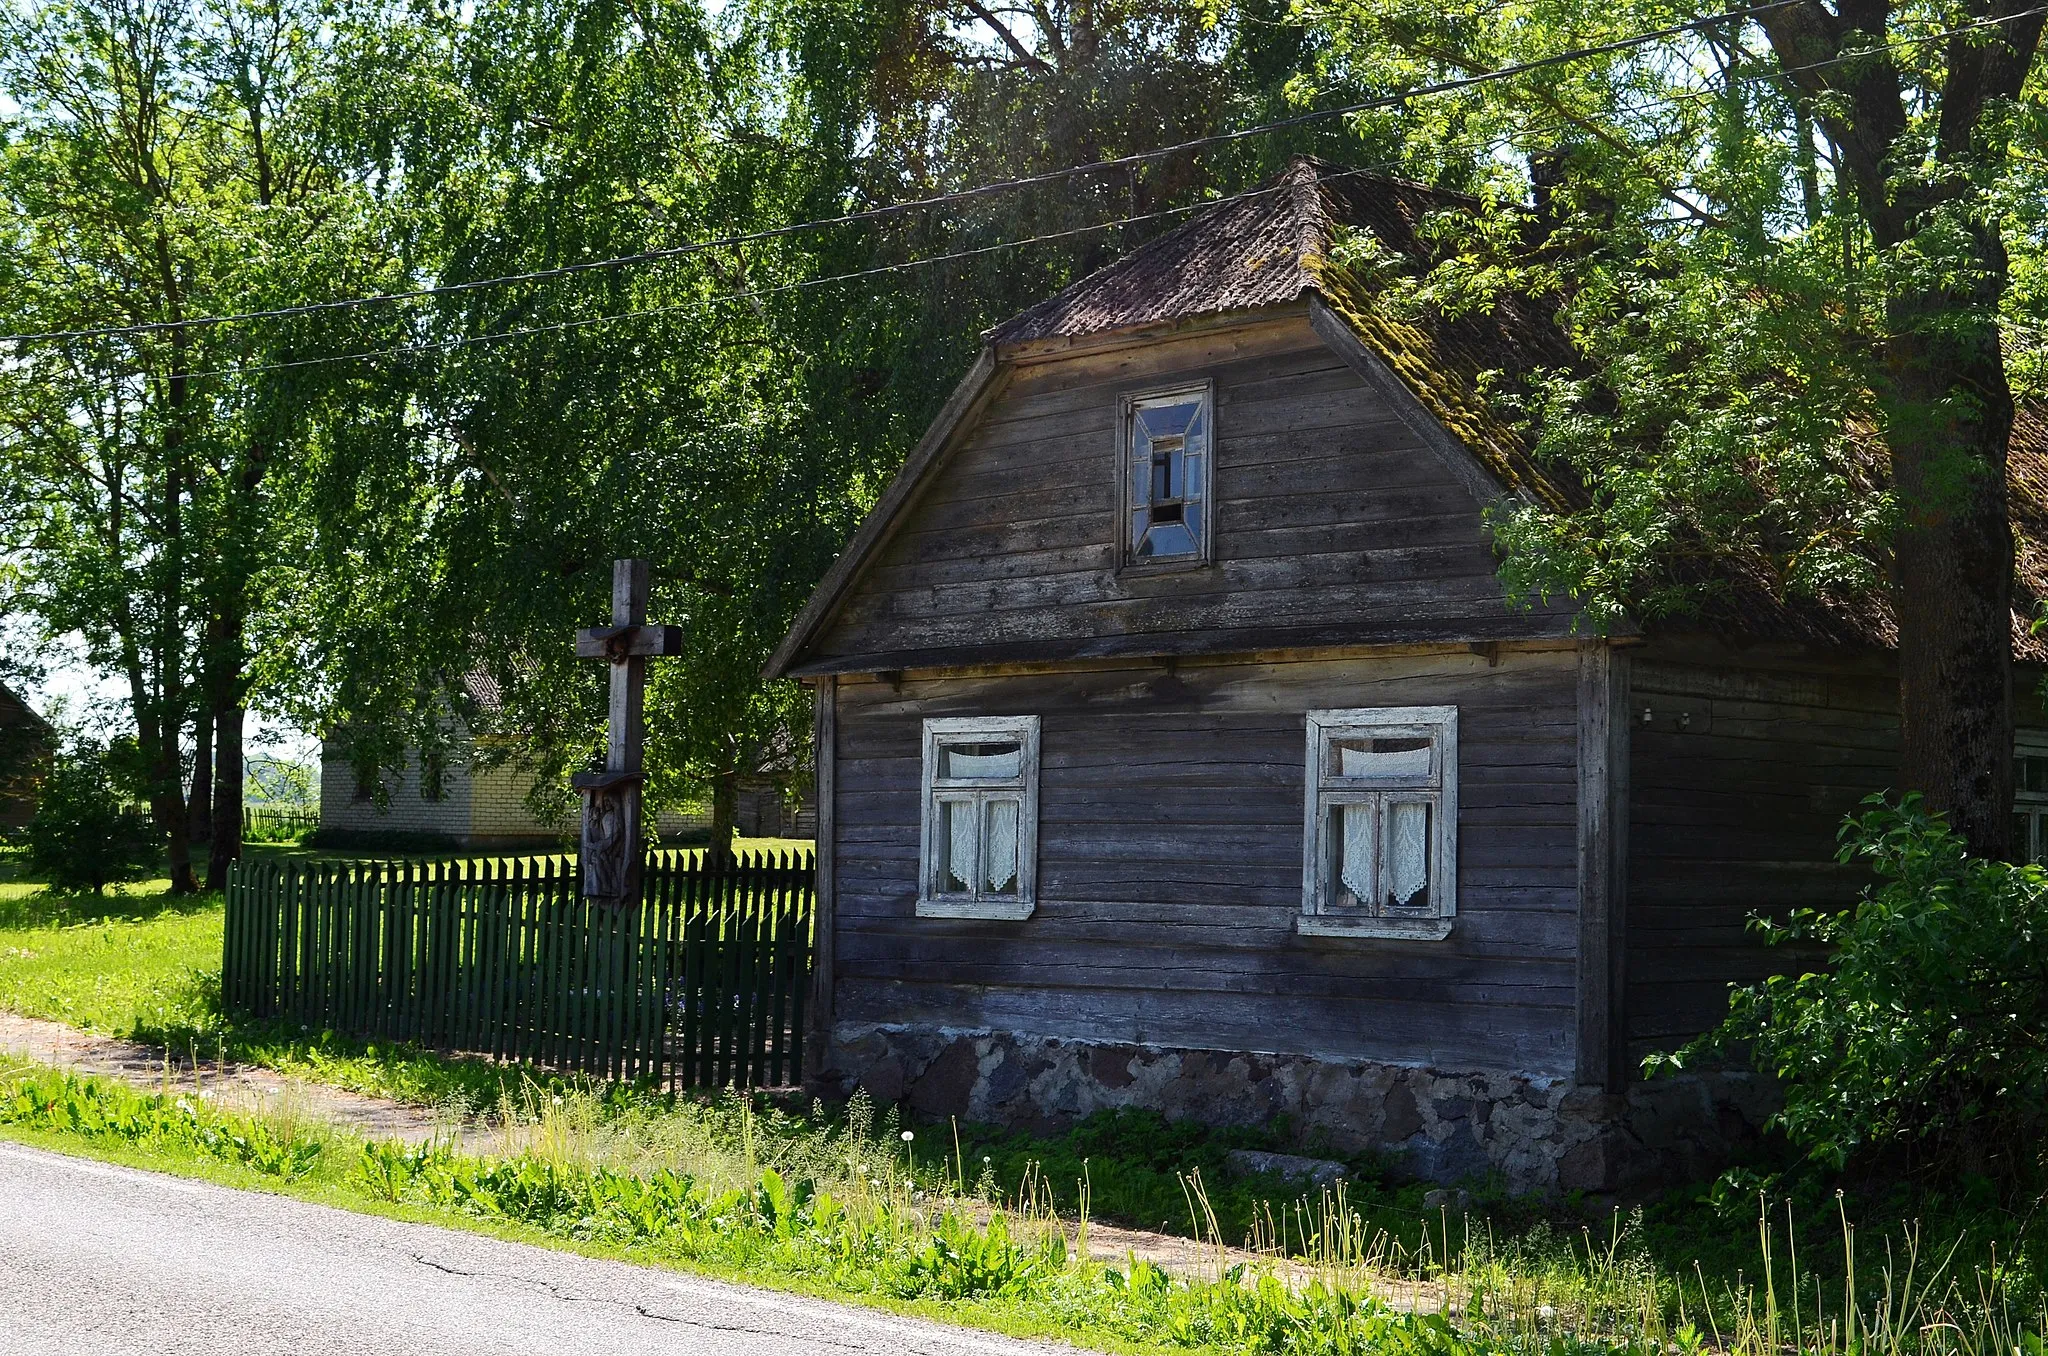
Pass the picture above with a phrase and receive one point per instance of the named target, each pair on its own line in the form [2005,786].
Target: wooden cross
[612,843]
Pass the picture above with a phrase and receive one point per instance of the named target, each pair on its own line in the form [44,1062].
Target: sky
[74,694]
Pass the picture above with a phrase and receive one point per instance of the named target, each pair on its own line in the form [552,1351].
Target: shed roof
[1272,248]
[15,711]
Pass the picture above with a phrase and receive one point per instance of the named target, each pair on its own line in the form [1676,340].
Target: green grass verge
[887,1246]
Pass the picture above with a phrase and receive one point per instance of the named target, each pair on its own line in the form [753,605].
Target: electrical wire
[954,256]
[919,204]
[747,294]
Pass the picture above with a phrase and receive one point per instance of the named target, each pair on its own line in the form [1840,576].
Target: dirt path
[239,1085]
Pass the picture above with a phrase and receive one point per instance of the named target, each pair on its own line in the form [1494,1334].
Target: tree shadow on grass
[30,904]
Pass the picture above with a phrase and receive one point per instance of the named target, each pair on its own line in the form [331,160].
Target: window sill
[1403,930]
[1008,910]
[1139,569]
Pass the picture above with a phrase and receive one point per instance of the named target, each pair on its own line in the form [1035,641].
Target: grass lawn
[133,957]
[896,1241]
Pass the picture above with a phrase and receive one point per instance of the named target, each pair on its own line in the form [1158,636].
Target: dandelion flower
[907,1137]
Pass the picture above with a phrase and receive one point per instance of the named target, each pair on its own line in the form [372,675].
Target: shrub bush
[1926,1044]
[83,836]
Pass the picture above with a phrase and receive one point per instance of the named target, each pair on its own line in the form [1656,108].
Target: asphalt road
[95,1258]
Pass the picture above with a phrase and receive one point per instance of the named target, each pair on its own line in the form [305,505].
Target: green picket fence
[701,984]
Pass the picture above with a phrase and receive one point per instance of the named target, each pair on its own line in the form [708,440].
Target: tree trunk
[725,808]
[1950,420]
[227,795]
[1948,410]
[167,809]
[156,735]
[199,804]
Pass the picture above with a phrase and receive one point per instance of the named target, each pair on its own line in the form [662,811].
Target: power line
[705,303]
[919,204]
[962,195]
[443,345]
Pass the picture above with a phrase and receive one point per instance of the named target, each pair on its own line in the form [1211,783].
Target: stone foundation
[1542,1135]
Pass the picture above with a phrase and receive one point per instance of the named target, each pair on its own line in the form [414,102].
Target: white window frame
[1439,787]
[1128,406]
[932,789]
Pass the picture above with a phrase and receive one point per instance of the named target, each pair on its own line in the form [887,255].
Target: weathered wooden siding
[1742,772]
[1170,865]
[1333,523]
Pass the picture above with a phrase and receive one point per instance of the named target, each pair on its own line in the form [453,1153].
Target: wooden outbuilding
[1179,747]
[27,743]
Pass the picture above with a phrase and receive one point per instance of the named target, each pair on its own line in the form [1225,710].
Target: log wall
[1170,853]
[1743,766]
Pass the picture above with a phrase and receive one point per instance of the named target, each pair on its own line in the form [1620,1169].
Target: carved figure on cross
[612,848]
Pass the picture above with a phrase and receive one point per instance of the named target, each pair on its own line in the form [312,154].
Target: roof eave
[984,380]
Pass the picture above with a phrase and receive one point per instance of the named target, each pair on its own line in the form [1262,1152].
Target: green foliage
[1921,1040]
[1789,259]
[160,160]
[1011,1267]
[727,414]
[1133,1166]
[85,833]
[101,1112]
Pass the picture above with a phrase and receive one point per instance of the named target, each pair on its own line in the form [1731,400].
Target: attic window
[979,831]
[1165,458]
[1380,833]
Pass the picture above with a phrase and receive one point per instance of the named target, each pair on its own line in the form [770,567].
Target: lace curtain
[1002,845]
[1407,851]
[967,821]
[1402,861]
[960,830]
[1357,868]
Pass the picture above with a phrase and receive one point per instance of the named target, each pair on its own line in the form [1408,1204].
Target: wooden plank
[1294,426]
[1456,459]
[1143,353]
[1537,1042]
[802,943]
[1603,799]
[689,1062]
[818,1002]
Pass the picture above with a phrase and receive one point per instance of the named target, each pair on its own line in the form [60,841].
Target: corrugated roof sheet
[1241,254]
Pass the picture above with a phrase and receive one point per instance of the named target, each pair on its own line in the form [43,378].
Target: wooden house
[455,797]
[1179,748]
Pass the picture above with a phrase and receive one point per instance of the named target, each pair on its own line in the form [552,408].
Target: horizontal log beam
[625,642]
